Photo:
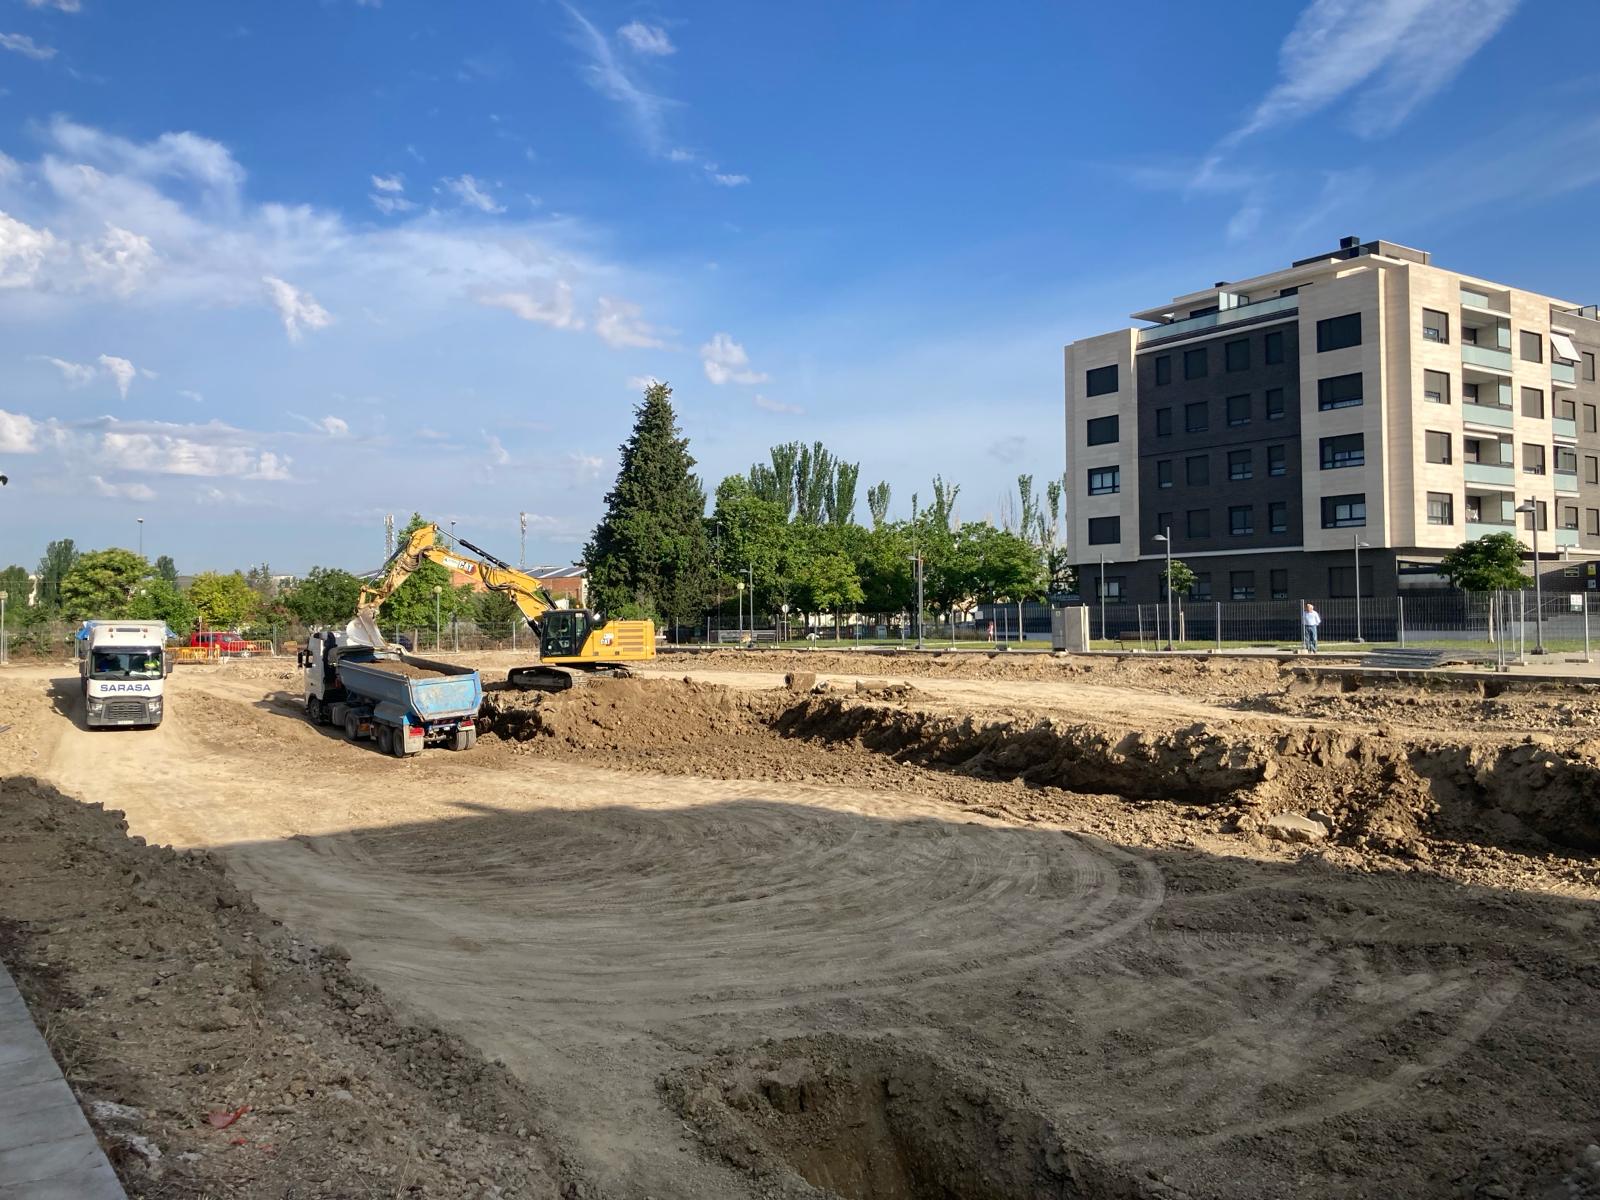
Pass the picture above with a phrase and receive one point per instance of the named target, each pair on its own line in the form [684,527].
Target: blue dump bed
[448,693]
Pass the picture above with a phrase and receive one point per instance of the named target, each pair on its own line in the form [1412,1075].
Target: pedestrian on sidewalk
[1309,623]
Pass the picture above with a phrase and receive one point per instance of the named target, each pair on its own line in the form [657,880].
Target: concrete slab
[47,1150]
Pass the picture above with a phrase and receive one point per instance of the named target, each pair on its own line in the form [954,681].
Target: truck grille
[125,710]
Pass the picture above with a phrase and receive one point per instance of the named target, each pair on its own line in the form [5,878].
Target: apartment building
[1363,403]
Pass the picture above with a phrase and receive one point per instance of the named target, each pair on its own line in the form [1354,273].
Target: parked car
[223,642]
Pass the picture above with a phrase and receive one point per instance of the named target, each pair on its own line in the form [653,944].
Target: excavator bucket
[363,630]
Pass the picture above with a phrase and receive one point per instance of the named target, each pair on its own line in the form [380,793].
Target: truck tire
[399,743]
[463,740]
[385,739]
[352,727]
[314,710]
[472,738]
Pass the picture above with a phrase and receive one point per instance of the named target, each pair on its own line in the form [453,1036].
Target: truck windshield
[126,664]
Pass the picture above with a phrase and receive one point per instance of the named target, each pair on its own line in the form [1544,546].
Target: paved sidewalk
[47,1150]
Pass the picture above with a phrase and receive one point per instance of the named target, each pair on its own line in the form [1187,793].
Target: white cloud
[121,259]
[119,369]
[646,39]
[617,322]
[74,374]
[191,395]
[389,183]
[122,491]
[778,406]
[641,383]
[21,43]
[731,181]
[499,456]
[389,204]
[188,156]
[299,310]
[470,192]
[1407,50]
[725,361]
[588,466]
[558,311]
[336,427]
[66,6]
[607,76]
[18,433]
[23,250]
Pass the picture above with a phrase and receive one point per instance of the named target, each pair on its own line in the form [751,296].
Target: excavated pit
[1378,791]
[871,1121]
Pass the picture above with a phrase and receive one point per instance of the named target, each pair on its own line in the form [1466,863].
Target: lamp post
[1532,509]
[916,561]
[741,610]
[1355,545]
[5,655]
[141,536]
[1102,596]
[750,574]
[1165,538]
[438,626]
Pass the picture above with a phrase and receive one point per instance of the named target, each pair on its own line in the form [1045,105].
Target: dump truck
[400,702]
[123,666]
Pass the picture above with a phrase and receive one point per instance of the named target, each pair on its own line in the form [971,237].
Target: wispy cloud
[726,361]
[72,373]
[21,43]
[66,6]
[499,456]
[471,193]
[122,491]
[121,370]
[389,183]
[778,406]
[722,180]
[640,383]
[330,426]
[106,444]
[646,39]
[618,323]
[299,310]
[557,310]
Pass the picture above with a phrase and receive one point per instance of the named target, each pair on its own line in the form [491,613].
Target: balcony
[1478,529]
[1499,305]
[1566,537]
[1566,427]
[1566,481]
[1228,316]
[1483,356]
[1482,414]
[1565,374]
[1492,474]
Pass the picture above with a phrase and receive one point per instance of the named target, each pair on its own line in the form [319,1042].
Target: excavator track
[546,678]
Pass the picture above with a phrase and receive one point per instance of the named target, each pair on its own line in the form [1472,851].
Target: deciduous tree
[325,597]
[99,584]
[223,601]
[1487,564]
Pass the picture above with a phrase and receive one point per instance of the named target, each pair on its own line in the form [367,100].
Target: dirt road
[827,958]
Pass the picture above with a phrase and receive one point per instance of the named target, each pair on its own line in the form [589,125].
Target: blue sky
[268,272]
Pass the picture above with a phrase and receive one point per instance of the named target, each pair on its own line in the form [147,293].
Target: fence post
[1139,608]
[1586,657]
[1219,626]
[1400,619]
[1522,627]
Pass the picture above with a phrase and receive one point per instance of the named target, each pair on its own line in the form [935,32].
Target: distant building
[1362,398]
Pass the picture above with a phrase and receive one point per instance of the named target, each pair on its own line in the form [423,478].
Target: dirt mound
[411,670]
[218,1055]
[866,1120]
[629,715]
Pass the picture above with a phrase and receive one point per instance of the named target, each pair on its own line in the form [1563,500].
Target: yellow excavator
[574,643]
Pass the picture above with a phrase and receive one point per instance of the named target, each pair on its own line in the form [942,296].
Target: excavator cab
[565,630]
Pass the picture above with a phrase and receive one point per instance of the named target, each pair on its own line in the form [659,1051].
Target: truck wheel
[472,738]
[463,739]
[352,727]
[399,743]
[314,710]
[385,739]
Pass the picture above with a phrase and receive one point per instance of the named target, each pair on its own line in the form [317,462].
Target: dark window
[1195,363]
[1197,523]
[1274,404]
[1469,336]
[1242,585]
[1279,583]
[1441,508]
[1569,517]
[1163,368]
[1435,326]
[1342,582]
[1101,381]
[1102,430]
[1197,470]
[1566,459]
[1589,413]
[1201,590]
[1164,473]
[1543,516]
[1588,366]
[1242,520]
[1436,446]
[1103,531]
[1163,422]
[1345,450]
[1533,403]
[1469,392]
[1340,391]
[1277,460]
[1592,521]
[1335,333]
[1532,346]
[1236,355]
[1532,458]
[1344,512]
[1196,417]
[1241,464]
[1105,481]
[1272,348]
[1114,587]
[1278,516]
[1238,410]
[1436,387]
[1290,291]
[1567,410]
[1163,523]
[1591,469]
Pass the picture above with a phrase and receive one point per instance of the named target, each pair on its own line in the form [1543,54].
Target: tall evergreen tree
[650,556]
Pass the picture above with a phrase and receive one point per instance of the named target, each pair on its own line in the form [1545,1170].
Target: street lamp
[741,610]
[1165,538]
[438,626]
[916,561]
[1102,595]
[141,537]
[4,654]
[1356,544]
[750,573]
[1528,506]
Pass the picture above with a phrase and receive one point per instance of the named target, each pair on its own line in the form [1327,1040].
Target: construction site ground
[912,928]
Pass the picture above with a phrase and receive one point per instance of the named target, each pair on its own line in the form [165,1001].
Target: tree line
[788,528]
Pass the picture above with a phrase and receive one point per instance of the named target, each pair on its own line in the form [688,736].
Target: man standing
[1309,622]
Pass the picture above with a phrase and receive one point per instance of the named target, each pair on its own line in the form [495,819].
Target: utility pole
[1102,596]
[916,560]
[1356,544]
[522,557]
[141,537]
[1165,538]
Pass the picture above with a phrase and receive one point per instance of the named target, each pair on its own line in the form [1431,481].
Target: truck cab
[123,667]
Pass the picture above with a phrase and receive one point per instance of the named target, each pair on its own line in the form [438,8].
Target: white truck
[124,666]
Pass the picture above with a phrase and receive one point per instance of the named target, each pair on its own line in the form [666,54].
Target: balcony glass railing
[1478,529]
[1482,414]
[1483,356]
[1474,299]
[1566,427]
[1493,474]
[1566,481]
[1566,537]
[1566,373]
[1245,312]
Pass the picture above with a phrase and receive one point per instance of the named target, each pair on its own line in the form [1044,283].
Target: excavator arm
[427,545]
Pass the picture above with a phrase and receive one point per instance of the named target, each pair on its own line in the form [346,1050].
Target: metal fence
[1492,624]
